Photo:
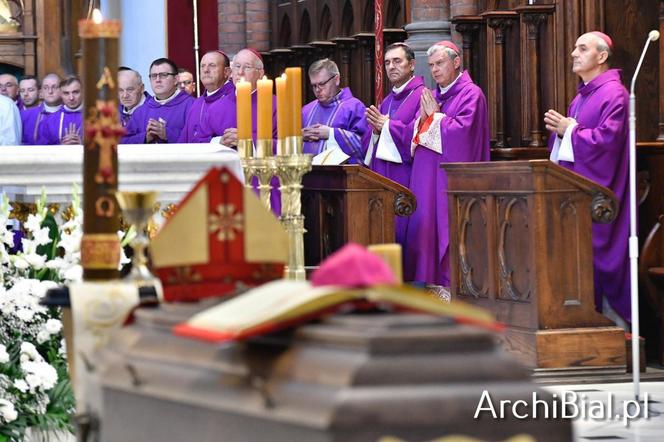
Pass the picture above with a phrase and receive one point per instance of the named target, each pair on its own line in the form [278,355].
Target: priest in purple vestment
[334,123]
[452,127]
[593,141]
[248,65]
[162,117]
[131,94]
[65,125]
[388,144]
[28,88]
[34,119]
[215,73]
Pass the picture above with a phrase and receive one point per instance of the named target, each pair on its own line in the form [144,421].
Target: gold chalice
[137,209]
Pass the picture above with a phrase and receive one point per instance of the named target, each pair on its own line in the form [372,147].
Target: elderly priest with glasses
[162,117]
[334,123]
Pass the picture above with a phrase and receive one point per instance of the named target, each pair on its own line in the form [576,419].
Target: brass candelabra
[289,165]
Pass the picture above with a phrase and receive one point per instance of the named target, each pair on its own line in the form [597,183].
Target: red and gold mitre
[219,238]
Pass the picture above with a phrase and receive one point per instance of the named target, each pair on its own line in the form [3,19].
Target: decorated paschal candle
[100,246]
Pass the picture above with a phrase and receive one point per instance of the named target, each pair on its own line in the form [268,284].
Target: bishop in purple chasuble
[596,146]
[458,133]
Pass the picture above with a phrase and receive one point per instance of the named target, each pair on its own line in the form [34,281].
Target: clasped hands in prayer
[315,132]
[155,130]
[71,136]
[556,122]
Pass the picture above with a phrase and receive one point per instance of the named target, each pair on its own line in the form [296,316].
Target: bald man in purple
[388,143]
[593,141]
[215,73]
[452,127]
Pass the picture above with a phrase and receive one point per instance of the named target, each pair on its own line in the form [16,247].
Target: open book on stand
[281,304]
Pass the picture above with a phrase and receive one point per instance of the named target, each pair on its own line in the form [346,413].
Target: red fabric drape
[181,31]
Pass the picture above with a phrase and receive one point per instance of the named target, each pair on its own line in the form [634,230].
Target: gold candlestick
[263,167]
[291,169]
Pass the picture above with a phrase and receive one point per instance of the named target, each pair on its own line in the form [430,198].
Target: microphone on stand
[633,238]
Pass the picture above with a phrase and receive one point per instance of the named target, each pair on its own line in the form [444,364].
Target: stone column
[430,24]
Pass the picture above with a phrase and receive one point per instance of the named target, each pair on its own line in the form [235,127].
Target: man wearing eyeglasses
[247,65]
[334,123]
[186,82]
[162,117]
[452,126]
[65,125]
[34,119]
[131,94]
[215,73]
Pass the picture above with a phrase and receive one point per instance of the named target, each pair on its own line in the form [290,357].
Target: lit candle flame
[96,16]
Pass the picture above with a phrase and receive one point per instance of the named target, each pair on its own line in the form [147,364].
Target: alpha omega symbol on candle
[106,79]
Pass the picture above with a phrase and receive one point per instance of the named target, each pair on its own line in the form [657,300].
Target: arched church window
[325,23]
[305,28]
[347,20]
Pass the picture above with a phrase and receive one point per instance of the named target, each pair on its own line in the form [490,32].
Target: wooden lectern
[350,203]
[520,245]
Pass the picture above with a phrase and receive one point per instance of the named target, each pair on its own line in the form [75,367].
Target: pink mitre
[353,266]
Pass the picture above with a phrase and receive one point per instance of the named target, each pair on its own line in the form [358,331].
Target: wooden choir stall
[349,203]
[520,245]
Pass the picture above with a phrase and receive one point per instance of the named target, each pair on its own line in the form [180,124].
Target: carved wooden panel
[377,230]
[569,234]
[474,247]
[514,245]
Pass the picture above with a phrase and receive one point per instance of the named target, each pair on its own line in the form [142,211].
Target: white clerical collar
[50,109]
[76,109]
[208,93]
[139,104]
[166,100]
[398,90]
[449,86]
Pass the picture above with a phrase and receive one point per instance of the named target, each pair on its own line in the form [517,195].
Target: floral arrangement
[35,391]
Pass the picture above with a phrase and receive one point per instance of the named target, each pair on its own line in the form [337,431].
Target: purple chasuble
[465,138]
[56,125]
[32,119]
[601,153]
[345,114]
[402,108]
[174,113]
[126,116]
[198,128]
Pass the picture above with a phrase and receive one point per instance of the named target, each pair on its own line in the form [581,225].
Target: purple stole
[56,125]
[465,138]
